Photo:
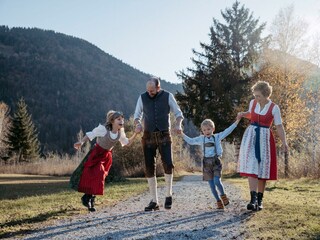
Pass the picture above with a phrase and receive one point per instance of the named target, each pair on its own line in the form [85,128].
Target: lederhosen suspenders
[204,146]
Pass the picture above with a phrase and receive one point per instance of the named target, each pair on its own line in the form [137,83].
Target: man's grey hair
[155,81]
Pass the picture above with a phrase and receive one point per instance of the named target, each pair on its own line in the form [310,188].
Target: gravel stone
[193,216]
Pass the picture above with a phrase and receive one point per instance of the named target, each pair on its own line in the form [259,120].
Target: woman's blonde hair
[263,87]
[111,116]
[207,122]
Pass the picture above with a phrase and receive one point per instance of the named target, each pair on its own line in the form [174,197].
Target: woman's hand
[244,114]
[241,115]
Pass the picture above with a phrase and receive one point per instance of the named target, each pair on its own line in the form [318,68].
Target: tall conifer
[221,77]
[22,136]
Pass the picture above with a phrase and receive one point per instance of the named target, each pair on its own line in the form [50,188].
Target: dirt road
[193,216]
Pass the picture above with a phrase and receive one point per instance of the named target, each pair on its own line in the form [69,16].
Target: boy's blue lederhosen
[151,141]
[212,166]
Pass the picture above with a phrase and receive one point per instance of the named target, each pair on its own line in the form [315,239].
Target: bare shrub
[229,158]
[301,164]
[184,161]
[53,165]
[128,161]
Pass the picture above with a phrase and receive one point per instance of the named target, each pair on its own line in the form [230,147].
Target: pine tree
[221,77]
[22,136]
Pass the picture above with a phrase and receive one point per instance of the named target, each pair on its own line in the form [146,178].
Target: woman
[257,158]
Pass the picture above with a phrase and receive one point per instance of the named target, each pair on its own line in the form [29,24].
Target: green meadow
[291,210]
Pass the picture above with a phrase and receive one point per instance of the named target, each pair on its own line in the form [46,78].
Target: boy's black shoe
[152,206]
[168,203]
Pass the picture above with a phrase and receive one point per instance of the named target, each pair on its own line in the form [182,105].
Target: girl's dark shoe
[253,202]
[85,200]
[92,208]
[152,206]
[260,197]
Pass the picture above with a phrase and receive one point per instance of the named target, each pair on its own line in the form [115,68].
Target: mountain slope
[66,82]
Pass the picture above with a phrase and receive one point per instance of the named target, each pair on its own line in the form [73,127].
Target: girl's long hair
[111,116]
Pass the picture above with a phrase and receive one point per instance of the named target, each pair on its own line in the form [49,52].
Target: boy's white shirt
[211,151]
[101,131]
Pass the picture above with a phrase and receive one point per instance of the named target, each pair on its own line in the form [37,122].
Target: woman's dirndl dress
[257,156]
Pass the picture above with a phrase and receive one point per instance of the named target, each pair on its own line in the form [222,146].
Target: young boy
[212,152]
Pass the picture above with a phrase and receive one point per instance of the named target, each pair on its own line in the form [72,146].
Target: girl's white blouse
[275,111]
[101,131]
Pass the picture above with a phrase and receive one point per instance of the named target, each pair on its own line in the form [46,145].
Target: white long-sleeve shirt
[101,131]
[174,108]
[212,145]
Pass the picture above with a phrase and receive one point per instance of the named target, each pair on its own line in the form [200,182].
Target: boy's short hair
[207,122]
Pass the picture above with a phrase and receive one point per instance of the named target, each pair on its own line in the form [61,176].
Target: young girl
[90,176]
[212,152]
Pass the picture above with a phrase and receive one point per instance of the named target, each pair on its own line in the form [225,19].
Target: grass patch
[27,200]
[291,210]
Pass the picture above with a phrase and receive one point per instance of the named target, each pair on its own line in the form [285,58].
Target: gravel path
[193,216]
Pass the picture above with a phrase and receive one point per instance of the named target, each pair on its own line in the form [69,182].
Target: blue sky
[154,36]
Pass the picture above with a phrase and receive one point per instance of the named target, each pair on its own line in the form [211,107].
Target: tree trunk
[286,165]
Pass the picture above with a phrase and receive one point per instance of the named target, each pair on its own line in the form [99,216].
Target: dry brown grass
[129,162]
[52,165]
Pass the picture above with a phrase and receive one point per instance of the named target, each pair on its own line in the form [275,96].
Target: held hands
[240,115]
[77,145]
[178,129]
[138,128]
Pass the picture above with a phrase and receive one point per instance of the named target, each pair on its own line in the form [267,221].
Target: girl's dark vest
[156,111]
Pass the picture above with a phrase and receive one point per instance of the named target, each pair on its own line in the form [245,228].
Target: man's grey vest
[156,111]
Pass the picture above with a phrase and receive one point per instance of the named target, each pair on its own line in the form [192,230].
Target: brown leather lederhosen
[212,166]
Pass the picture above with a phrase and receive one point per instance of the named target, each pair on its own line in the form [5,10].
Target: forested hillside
[67,83]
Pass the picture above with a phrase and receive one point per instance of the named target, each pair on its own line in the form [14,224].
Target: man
[154,107]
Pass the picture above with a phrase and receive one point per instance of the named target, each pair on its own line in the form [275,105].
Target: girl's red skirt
[95,170]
